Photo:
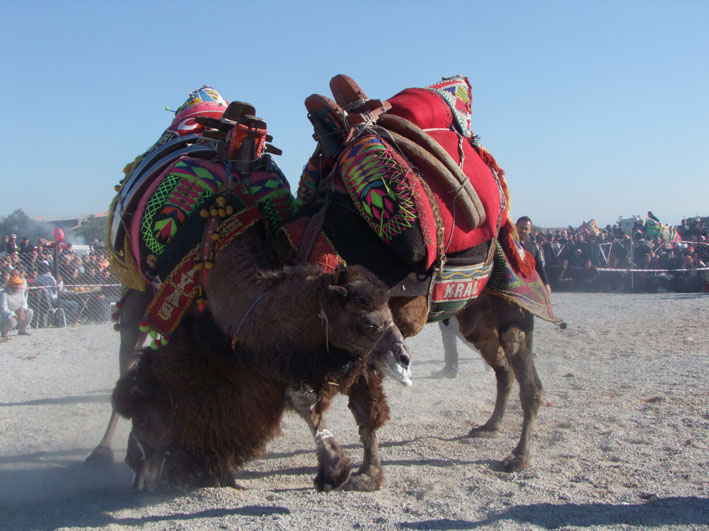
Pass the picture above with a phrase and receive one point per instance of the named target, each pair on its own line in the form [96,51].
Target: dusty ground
[622,443]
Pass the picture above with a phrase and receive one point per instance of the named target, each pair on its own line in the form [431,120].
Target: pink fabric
[184,122]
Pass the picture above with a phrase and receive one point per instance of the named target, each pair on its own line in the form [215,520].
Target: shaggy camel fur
[501,331]
[210,415]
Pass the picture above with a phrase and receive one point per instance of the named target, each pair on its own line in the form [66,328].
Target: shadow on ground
[681,510]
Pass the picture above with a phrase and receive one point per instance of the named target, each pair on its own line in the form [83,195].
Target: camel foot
[515,463]
[101,456]
[334,474]
[483,432]
[365,481]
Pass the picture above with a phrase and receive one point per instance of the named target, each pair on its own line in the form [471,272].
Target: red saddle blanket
[435,114]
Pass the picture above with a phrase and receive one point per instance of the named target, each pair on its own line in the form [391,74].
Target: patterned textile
[204,101]
[323,253]
[456,91]
[173,199]
[187,279]
[269,188]
[455,287]
[389,197]
[527,293]
[309,180]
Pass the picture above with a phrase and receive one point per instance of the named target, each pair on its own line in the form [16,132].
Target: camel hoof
[515,463]
[483,432]
[365,482]
[101,456]
[334,477]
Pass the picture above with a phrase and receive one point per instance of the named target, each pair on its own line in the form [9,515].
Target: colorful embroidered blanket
[383,183]
[323,253]
[187,279]
[389,197]
[455,287]
[528,293]
[180,138]
[181,203]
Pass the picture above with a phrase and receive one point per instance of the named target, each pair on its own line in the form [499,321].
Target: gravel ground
[622,443]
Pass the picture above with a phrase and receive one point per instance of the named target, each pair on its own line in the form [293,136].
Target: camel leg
[494,355]
[334,467]
[133,308]
[503,334]
[370,410]
[478,325]
[518,347]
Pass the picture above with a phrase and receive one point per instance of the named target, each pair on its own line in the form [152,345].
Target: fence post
[632,265]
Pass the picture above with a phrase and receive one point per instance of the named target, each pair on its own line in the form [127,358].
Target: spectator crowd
[639,259]
[647,257]
[54,276]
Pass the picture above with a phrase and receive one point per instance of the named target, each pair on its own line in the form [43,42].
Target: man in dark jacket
[524,229]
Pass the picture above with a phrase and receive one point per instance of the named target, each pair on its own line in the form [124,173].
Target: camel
[497,323]
[438,164]
[199,409]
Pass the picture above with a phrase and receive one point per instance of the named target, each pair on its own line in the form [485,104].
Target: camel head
[137,396]
[354,308]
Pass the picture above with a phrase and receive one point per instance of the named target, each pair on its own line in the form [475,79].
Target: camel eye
[367,327]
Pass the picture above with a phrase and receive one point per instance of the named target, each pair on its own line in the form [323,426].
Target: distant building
[69,224]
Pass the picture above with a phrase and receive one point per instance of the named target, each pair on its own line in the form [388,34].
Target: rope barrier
[611,269]
[70,286]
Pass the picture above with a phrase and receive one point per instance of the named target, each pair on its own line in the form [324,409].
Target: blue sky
[594,109]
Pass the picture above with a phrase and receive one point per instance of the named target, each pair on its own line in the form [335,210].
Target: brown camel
[200,410]
[497,325]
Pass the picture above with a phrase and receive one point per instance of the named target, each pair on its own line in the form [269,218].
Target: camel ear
[337,291]
[338,272]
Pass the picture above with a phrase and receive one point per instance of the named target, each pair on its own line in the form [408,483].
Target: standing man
[47,280]
[524,229]
[13,308]
[11,245]
[449,335]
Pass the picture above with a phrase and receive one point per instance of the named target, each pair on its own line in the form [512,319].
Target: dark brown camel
[199,410]
[501,330]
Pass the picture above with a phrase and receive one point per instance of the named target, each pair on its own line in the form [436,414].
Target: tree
[19,223]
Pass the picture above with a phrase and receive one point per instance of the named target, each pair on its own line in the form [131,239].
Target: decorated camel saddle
[207,179]
[418,175]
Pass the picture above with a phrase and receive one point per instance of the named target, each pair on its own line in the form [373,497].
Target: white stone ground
[622,443]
